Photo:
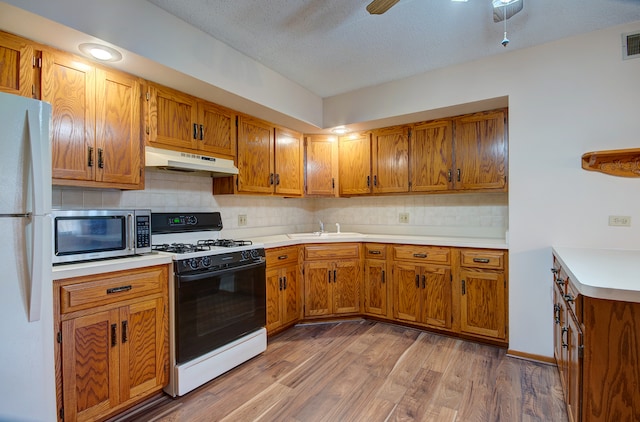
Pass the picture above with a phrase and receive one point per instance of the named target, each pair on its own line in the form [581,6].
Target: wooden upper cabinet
[431,157]
[16,65]
[481,151]
[321,165]
[255,156]
[270,159]
[118,141]
[95,123]
[354,161]
[289,162]
[179,121]
[389,159]
[69,85]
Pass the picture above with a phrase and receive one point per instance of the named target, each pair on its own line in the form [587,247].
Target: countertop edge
[64,271]
[602,273]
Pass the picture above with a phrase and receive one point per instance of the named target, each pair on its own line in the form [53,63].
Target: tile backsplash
[442,214]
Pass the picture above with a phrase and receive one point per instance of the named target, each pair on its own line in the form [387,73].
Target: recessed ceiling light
[100,52]
[340,130]
[502,3]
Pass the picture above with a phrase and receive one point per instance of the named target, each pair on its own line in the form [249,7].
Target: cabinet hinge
[61,413]
[59,337]
[148,96]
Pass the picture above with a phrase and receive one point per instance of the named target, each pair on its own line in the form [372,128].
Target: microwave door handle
[132,231]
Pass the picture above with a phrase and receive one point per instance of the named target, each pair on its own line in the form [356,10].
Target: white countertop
[462,242]
[603,273]
[109,265]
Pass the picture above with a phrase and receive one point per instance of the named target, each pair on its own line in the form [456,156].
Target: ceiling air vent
[631,45]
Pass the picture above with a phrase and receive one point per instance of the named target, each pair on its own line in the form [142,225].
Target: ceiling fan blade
[508,10]
[378,7]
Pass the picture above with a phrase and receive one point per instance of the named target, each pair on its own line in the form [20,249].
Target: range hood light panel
[188,162]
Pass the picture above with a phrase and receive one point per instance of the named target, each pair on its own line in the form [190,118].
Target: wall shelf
[619,162]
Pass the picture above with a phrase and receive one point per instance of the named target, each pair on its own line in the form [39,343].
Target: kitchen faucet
[321,226]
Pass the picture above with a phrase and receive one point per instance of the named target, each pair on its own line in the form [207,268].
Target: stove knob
[192,220]
[206,261]
[254,254]
[193,263]
[245,255]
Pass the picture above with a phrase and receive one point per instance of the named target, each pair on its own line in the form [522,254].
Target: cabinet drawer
[419,253]
[86,292]
[335,251]
[375,251]
[282,256]
[482,259]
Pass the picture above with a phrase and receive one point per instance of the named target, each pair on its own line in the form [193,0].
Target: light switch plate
[242,220]
[620,220]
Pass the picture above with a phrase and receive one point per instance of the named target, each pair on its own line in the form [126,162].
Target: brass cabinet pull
[114,340]
[100,159]
[417,281]
[90,156]
[195,131]
[280,281]
[125,326]
[481,260]
[285,282]
[419,255]
[281,257]
[564,343]
[375,252]
[464,288]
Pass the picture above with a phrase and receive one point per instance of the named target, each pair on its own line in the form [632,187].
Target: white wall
[565,98]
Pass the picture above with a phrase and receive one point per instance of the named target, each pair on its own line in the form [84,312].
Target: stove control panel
[218,262]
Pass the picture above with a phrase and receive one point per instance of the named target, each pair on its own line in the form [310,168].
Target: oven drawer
[332,251]
[90,291]
[282,256]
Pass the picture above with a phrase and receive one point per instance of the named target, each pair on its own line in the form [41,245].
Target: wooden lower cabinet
[112,341]
[376,280]
[483,293]
[597,349]
[332,279]
[284,293]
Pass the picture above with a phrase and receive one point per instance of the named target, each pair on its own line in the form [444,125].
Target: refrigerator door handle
[41,195]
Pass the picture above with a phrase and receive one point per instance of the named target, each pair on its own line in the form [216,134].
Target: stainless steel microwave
[81,235]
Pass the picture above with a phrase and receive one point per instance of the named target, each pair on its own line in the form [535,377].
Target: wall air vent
[631,45]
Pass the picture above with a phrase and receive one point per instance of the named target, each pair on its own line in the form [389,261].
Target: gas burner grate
[181,247]
[224,243]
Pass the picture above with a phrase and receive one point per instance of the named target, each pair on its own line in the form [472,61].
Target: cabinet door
[354,164]
[90,365]
[346,288]
[69,85]
[143,348]
[390,159]
[574,363]
[375,287]
[406,293]
[289,157]
[480,151]
[16,69]
[118,141]
[321,165]
[171,118]
[218,131]
[255,156]
[291,300]
[436,287]
[559,327]
[483,303]
[274,300]
[431,157]
[318,282]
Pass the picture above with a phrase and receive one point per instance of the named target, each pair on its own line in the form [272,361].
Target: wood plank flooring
[370,371]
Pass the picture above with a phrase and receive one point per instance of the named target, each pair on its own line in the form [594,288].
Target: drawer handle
[284,283]
[375,252]
[564,343]
[569,298]
[481,260]
[119,289]
[560,281]
[556,313]
[280,281]
[281,257]
[419,255]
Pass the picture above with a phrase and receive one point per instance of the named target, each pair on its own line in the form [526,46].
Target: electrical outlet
[242,219]
[620,220]
[403,217]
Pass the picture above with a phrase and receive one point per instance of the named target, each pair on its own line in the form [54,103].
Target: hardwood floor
[369,371]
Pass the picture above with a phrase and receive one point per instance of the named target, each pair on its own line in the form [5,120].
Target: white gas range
[217,298]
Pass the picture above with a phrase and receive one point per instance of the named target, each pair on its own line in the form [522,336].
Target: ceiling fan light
[502,3]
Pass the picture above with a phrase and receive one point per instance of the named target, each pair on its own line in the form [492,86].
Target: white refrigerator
[27,375]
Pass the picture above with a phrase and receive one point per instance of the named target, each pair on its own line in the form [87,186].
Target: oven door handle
[208,274]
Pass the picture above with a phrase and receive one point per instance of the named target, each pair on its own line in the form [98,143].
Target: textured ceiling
[335,46]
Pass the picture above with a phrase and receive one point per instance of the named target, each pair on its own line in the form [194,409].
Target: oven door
[214,308]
